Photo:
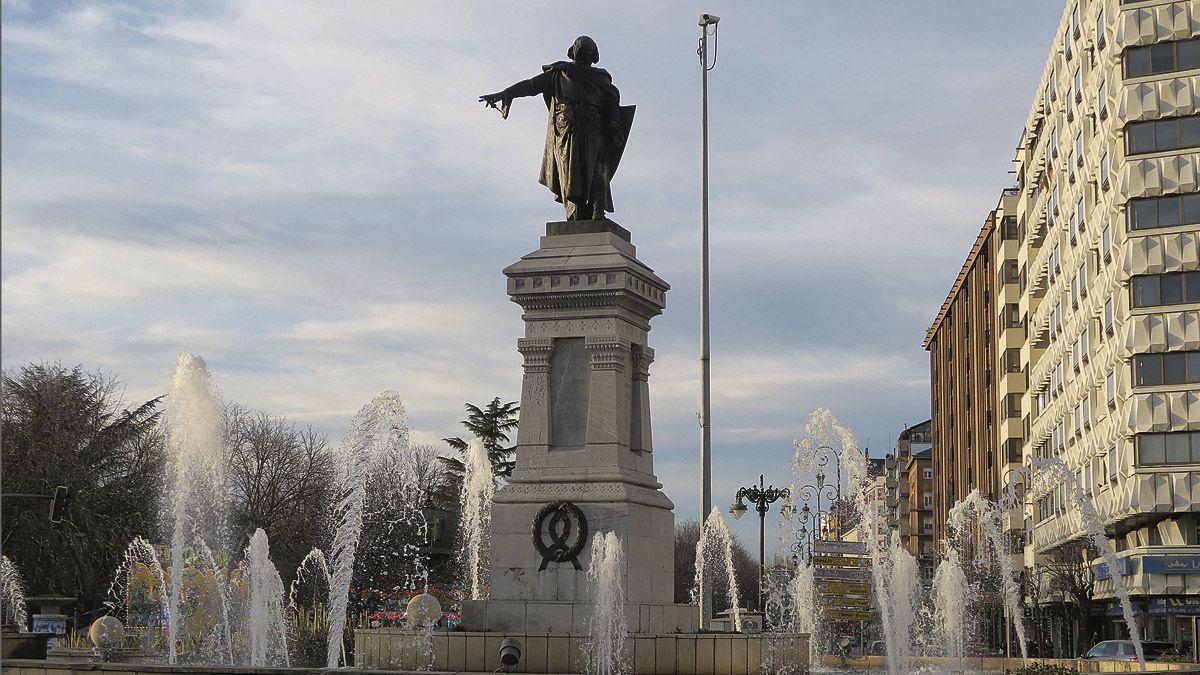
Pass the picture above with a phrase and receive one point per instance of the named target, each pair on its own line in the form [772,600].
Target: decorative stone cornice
[537,353]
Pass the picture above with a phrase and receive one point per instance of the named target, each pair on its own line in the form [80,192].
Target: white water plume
[1057,471]
[714,558]
[265,620]
[199,497]
[12,595]
[606,655]
[379,428]
[991,522]
[952,596]
[478,490]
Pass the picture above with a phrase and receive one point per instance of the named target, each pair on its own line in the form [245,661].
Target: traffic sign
[837,561]
[846,615]
[843,587]
[843,602]
[842,574]
[851,547]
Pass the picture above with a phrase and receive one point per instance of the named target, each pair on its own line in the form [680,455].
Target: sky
[309,196]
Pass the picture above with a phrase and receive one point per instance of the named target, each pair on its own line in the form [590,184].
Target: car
[1122,650]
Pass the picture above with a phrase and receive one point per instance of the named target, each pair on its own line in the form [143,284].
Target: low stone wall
[997,664]
[52,667]
[691,653]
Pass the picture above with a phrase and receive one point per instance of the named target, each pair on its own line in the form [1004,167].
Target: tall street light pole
[762,498]
[706,20]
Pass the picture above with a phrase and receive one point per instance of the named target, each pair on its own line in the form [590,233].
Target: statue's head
[584,50]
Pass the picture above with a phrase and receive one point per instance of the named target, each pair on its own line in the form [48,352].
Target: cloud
[312,198]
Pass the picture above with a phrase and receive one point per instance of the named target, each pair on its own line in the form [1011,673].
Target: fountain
[1057,472]
[478,490]
[379,427]
[990,519]
[198,496]
[952,595]
[714,552]
[606,652]
[12,595]
[267,627]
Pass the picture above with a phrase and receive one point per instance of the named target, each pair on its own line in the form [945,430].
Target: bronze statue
[586,132]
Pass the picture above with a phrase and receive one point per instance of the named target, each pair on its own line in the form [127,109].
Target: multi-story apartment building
[961,345]
[1108,267]
[909,483]
[1088,272]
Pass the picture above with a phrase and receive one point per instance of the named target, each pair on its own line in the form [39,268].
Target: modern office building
[1089,273]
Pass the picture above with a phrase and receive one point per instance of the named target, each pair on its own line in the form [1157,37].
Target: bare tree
[1069,574]
[280,477]
[687,535]
[65,426]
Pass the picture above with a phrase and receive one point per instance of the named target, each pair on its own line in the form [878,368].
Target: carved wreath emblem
[566,528]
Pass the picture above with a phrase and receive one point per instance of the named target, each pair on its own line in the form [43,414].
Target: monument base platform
[550,617]
[674,654]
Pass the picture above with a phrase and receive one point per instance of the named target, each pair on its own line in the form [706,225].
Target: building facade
[909,486]
[1088,272]
[1109,227]
[961,345]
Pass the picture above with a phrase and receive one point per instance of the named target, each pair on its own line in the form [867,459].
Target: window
[1108,317]
[1168,211]
[1071,95]
[1110,389]
[1106,244]
[1010,360]
[927,473]
[1012,406]
[1102,100]
[1172,133]
[1166,368]
[1175,447]
[1074,291]
[1114,464]
[1011,317]
[1166,289]
[1077,86]
[1083,280]
[1071,166]
[1164,57]
[1009,272]
[1008,228]
[1104,172]
[927,500]
[1100,41]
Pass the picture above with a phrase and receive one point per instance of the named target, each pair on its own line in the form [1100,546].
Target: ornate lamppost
[762,498]
[814,525]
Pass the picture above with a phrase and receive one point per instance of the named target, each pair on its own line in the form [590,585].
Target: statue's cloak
[586,130]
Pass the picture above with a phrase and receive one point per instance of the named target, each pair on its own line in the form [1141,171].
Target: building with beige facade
[1108,217]
[1095,306]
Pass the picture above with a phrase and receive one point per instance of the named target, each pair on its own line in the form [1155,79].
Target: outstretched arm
[531,87]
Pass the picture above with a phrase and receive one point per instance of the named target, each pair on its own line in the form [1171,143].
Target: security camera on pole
[706,20]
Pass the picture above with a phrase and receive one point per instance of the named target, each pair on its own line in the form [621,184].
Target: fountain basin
[667,654]
[24,645]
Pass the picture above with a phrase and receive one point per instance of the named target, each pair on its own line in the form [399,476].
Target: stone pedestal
[585,435]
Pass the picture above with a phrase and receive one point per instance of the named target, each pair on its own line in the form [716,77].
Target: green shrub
[1041,669]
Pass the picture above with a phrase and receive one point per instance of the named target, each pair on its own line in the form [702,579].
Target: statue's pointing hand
[490,100]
